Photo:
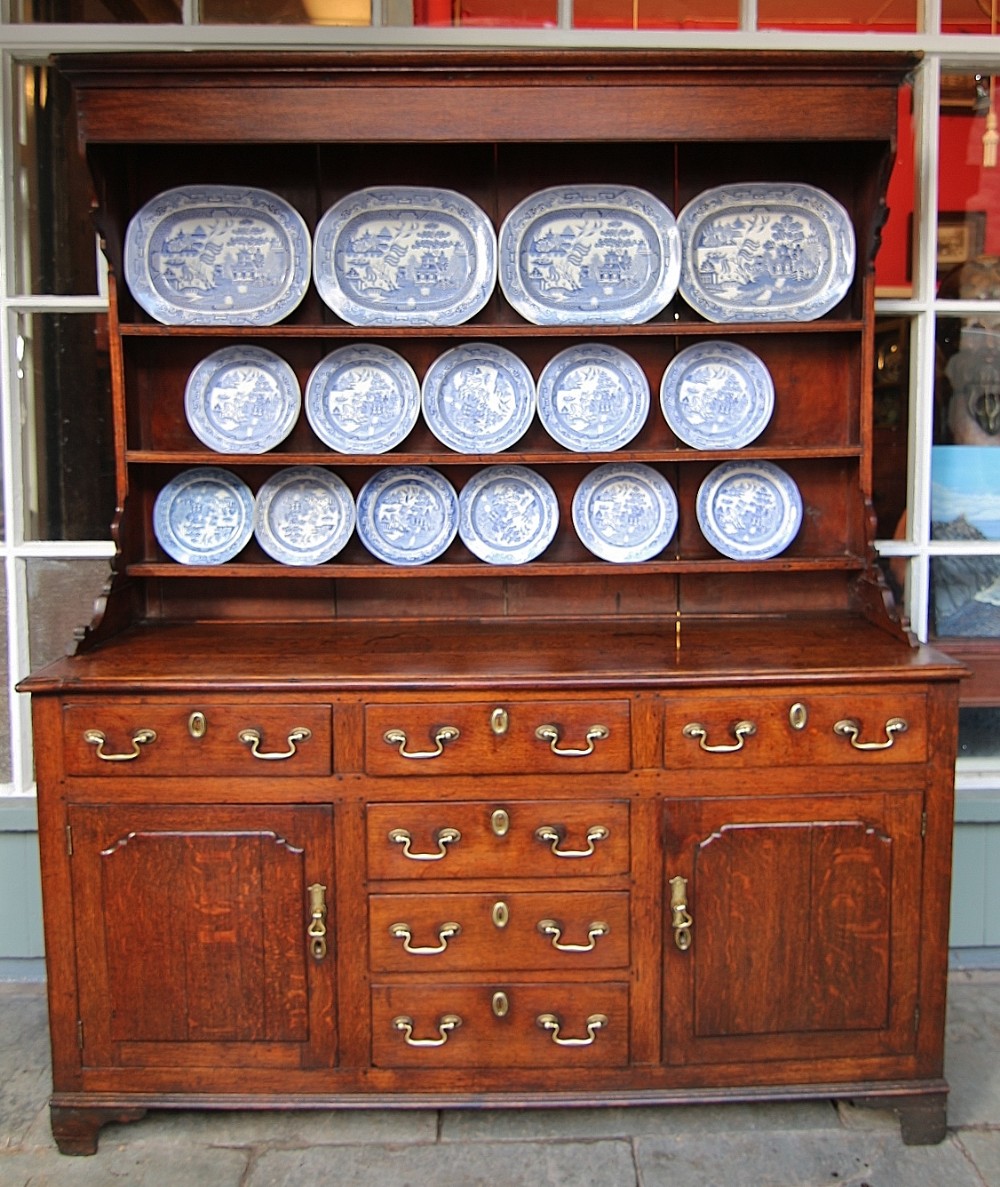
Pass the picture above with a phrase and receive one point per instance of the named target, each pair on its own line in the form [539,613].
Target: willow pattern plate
[407,515]
[625,512]
[242,399]
[763,252]
[589,255]
[507,515]
[304,515]
[717,395]
[217,255]
[362,399]
[593,397]
[478,398]
[749,510]
[405,256]
[204,516]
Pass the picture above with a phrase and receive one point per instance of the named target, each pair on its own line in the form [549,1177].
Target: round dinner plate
[749,510]
[304,515]
[204,516]
[717,395]
[625,512]
[593,398]
[407,515]
[242,399]
[362,399]
[507,515]
[478,398]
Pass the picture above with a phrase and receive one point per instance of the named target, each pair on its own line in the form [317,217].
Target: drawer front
[766,728]
[418,933]
[496,737]
[130,738]
[550,838]
[500,1025]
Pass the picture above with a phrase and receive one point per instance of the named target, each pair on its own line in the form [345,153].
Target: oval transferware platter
[204,516]
[764,252]
[304,515]
[749,510]
[625,512]
[362,399]
[242,399]
[405,256]
[407,515]
[717,395]
[217,255]
[478,398]
[507,515]
[593,397]
[589,255]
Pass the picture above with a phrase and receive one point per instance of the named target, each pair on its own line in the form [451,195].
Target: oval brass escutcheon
[798,716]
[197,725]
[500,914]
[499,721]
[500,822]
[500,1005]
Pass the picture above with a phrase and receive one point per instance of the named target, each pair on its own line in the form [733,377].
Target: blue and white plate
[407,515]
[478,398]
[217,255]
[717,395]
[625,512]
[242,399]
[749,510]
[204,516]
[304,515]
[763,252]
[362,399]
[593,397]
[507,515]
[405,256]
[589,255]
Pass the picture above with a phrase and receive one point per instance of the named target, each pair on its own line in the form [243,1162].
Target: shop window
[286,12]
[97,11]
[655,14]
[891,16]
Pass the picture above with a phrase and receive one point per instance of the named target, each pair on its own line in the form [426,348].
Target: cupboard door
[192,935]
[804,928]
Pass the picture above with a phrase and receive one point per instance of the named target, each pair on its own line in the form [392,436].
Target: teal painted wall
[21,946]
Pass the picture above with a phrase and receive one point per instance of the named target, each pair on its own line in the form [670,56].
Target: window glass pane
[655,14]
[56,242]
[97,11]
[5,772]
[893,266]
[965,16]
[471,13]
[979,733]
[61,596]
[890,424]
[66,402]
[286,12]
[890,17]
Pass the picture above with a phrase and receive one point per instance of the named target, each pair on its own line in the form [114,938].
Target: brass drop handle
[850,729]
[441,737]
[741,731]
[549,927]
[446,1024]
[316,931]
[550,734]
[552,1024]
[141,737]
[443,837]
[551,836]
[402,931]
[252,738]
[680,917]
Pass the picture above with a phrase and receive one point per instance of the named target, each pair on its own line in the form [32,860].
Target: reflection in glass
[56,248]
[655,14]
[892,16]
[498,13]
[979,733]
[890,423]
[65,396]
[287,12]
[965,16]
[146,12]
[61,596]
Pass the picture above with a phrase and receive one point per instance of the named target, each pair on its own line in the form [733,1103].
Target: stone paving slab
[983,1148]
[140,1165]
[25,1081]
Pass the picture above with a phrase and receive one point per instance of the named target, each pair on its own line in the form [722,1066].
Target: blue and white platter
[304,515]
[717,395]
[407,515]
[749,510]
[362,399]
[217,255]
[478,398]
[405,256]
[204,516]
[242,399]
[764,252]
[507,515]
[593,397]
[589,255]
[625,512]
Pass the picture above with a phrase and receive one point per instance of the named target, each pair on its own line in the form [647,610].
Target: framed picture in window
[961,236]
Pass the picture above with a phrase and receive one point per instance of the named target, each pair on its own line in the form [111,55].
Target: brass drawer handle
[446,1024]
[741,731]
[141,737]
[680,917]
[316,931]
[551,836]
[442,736]
[850,729]
[252,738]
[549,927]
[443,837]
[552,1024]
[401,931]
[550,734]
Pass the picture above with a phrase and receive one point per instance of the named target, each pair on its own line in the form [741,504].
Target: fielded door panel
[198,935]
[804,928]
